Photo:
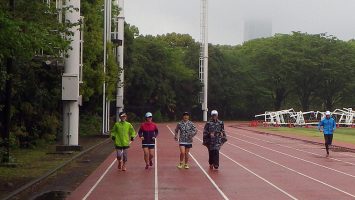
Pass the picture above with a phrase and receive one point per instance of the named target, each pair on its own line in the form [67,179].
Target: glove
[113,138]
[132,138]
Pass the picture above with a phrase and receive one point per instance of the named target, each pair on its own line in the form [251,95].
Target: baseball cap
[214,112]
[327,113]
[121,114]
[148,114]
[185,113]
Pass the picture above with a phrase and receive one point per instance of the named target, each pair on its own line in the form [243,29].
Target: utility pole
[70,81]
[203,61]
[107,38]
[119,36]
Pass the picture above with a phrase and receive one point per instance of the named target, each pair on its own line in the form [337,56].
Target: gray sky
[226,17]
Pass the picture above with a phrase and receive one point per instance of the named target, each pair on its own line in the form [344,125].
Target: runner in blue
[327,125]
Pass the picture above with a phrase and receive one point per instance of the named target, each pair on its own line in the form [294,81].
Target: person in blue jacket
[327,125]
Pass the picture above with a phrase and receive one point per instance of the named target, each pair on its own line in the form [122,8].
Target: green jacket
[123,132]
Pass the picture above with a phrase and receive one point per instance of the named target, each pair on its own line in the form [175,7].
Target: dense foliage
[298,70]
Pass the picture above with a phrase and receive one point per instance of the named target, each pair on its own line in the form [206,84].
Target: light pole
[119,35]
[203,61]
[70,80]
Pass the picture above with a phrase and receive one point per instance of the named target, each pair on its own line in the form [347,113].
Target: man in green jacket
[122,134]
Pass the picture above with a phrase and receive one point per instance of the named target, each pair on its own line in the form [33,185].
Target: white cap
[214,112]
[148,114]
[327,113]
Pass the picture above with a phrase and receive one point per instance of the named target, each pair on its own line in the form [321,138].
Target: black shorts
[328,138]
[149,146]
[189,146]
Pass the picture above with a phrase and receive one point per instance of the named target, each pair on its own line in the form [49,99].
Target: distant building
[254,29]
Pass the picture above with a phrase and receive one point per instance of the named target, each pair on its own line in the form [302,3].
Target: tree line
[299,70]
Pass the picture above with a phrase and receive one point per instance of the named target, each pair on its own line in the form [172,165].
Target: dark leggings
[213,157]
[328,138]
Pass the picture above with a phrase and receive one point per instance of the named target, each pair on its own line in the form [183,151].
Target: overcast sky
[226,17]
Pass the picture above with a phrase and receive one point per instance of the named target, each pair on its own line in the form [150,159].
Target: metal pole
[104,84]
[120,59]
[71,68]
[204,58]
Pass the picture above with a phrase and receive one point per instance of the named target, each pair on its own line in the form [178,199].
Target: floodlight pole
[203,63]
[119,36]
[70,78]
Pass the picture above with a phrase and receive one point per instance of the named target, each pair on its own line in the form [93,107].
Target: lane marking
[208,176]
[283,166]
[99,180]
[156,190]
[255,174]
[101,177]
[268,141]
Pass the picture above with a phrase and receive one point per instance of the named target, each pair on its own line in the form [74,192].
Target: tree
[26,29]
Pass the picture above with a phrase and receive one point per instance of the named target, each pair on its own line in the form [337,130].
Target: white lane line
[255,174]
[268,141]
[348,154]
[283,166]
[98,181]
[208,176]
[295,157]
[101,177]
[273,185]
[156,190]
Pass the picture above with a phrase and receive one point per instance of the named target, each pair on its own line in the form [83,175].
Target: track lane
[239,181]
[135,183]
[343,182]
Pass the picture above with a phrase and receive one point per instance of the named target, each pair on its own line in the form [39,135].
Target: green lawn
[340,134]
[32,163]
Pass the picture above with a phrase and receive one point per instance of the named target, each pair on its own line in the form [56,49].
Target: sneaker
[211,166]
[124,168]
[215,167]
[180,165]
[146,166]
[119,166]
[186,166]
[150,163]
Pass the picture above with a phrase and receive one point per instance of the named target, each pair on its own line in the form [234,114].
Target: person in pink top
[148,131]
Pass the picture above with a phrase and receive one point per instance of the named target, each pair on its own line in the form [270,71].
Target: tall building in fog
[254,29]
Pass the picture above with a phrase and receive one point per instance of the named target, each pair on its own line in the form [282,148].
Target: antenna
[203,64]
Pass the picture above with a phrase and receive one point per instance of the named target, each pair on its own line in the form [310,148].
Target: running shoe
[150,163]
[124,168]
[146,166]
[211,166]
[180,165]
[186,166]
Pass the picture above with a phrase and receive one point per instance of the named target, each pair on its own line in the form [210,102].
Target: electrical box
[70,87]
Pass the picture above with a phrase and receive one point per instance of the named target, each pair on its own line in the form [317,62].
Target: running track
[252,166]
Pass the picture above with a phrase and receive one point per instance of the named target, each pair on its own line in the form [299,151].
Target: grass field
[31,163]
[340,134]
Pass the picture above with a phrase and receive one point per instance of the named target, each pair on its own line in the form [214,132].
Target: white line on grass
[208,176]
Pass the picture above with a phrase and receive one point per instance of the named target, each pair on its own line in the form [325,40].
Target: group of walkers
[123,134]
[214,137]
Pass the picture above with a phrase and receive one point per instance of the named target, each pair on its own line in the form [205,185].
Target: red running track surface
[252,166]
